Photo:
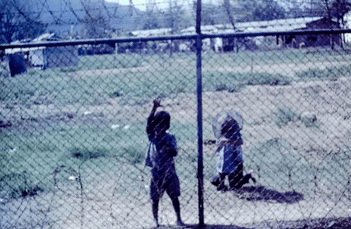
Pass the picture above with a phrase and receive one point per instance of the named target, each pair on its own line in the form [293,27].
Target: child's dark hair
[229,127]
[162,120]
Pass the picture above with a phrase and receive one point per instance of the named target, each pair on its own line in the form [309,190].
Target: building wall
[347,19]
[61,57]
[314,40]
[37,58]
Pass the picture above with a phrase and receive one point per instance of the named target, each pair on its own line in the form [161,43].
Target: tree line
[25,19]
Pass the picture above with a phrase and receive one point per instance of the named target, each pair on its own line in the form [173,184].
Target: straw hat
[221,118]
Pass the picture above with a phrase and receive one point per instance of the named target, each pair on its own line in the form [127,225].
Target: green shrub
[284,115]
[18,185]
[266,79]
[133,155]
[329,73]
[87,154]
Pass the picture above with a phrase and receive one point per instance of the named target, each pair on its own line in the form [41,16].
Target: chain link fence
[73,136]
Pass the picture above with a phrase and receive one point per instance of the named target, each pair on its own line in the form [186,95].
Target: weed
[69,69]
[86,154]
[284,115]
[116,94]
[220,87]
[309,120]
[133,155]
[266,79]
[330,73]
[19,185]
[235,88]
[32,72]
[127,61]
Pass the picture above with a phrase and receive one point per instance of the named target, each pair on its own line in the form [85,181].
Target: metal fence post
[199,113]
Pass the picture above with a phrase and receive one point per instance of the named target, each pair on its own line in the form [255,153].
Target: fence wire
[73,134]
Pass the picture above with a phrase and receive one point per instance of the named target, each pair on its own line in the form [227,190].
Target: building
[315,40]
[280,25]
[45,57]
[53,57]
[347,20]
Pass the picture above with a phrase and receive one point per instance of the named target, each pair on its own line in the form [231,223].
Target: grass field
[73,156]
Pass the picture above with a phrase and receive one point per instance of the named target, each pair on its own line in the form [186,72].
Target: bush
[18,185]
[285,115]
[267,79]
[133,155]
[86,154]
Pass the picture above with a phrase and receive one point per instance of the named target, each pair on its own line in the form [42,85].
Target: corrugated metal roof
[41,38]
[16,50]
[255,26]
[151,32]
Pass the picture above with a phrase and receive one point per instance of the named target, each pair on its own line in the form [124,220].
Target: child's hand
[157,103]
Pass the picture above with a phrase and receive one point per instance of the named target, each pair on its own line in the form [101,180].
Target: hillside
[62,14]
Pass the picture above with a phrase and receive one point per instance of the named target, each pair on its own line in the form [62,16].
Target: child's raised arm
[150,126]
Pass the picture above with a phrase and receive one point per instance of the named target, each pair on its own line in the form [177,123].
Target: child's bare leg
[176,205]
[155,211]
[221,186]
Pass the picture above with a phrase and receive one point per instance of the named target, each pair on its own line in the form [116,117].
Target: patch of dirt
[328,101]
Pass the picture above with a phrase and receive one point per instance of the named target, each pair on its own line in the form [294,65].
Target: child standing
[229,158]
[162,149]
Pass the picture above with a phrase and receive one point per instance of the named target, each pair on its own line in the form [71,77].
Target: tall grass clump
[87,154]
[329,73]
[233,82]
[128,61]
[16,185]
[133,155]
[284,115]
[266,79]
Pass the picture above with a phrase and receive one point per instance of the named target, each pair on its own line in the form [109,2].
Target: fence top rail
[174,37]
[278,33]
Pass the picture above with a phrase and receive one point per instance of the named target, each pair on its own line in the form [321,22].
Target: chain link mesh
[295,106]
[73,137]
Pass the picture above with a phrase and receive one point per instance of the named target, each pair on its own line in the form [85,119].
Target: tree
[331,9]
[151,18]
[211,14]
[248,10]
[228,9]
[327,7]
[173,16]
[94,22]
[268,10]
[339,8]
[19,20]
[295,8]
